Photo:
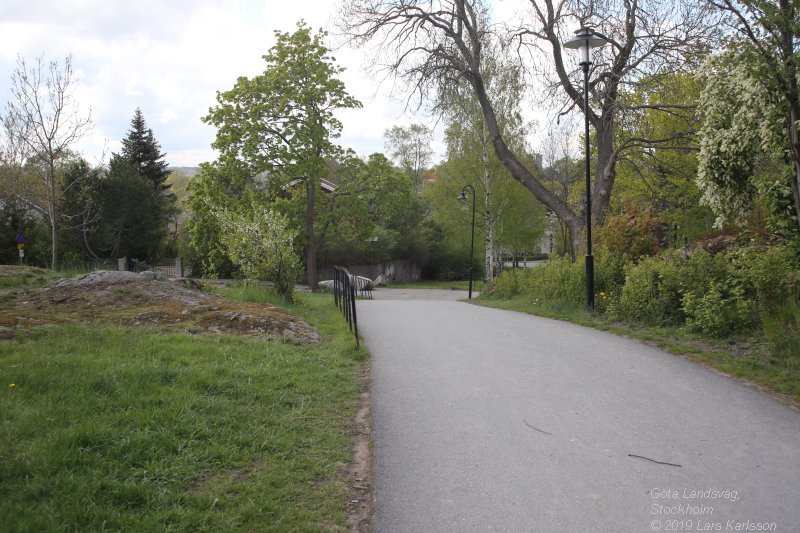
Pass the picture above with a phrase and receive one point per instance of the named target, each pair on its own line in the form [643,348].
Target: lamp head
[585,38]
[462,196]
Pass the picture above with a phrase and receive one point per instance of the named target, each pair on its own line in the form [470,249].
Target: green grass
[477,285]
[123,429]
[745,357]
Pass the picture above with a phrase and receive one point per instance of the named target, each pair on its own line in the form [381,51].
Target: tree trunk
[53,208]
[312,245]
[489,259]
[488,271]
[605,168]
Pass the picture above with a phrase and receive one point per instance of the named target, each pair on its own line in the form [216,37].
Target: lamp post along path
[463,197]
[584,39]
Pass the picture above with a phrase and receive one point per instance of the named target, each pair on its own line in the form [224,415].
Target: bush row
[718,295]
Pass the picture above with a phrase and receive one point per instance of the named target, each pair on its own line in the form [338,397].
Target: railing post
[355,319]
[344,296]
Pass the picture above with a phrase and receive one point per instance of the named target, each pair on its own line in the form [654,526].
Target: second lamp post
[463,197]
[585,39]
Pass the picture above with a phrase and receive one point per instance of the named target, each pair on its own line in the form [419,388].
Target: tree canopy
[281,124]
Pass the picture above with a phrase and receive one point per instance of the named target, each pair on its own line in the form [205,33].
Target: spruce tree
[142,150]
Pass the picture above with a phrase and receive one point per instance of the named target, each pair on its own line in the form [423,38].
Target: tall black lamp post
[463,197]
[584,39]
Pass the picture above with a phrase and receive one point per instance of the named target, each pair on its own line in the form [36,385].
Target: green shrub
[562,282]
[722,310]
[559,282]
[507,284]
[770,274]
[631,234]
[782,332]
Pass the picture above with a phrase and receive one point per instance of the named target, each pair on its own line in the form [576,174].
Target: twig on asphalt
[653,460]
[537,429]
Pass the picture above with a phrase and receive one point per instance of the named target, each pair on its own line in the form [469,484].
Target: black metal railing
[344,295]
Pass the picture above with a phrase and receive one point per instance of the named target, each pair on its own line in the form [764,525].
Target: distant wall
[400,270]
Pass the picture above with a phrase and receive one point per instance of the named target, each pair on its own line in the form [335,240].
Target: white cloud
[170,58]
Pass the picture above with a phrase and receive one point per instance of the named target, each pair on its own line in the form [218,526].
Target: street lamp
[373,241]
[584,39]
[463,198]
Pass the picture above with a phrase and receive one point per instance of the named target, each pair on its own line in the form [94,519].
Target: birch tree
[42,121]
[471,157]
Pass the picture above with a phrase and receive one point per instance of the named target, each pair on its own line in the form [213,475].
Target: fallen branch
[537,429]
[653,460]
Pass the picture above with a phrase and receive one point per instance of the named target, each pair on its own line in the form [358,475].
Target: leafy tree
[142,150]
[113,212]
[215,187]
[373,199]
[663,177]
[41,123]
[281,124]
[751,108]
[261,244]
[410,148]
[81,206]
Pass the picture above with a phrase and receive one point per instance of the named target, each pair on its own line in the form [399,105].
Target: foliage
[720,311]
[662,177]
[141,150]
[15,216]
[630,235]
[116,213]
[40,125]
[451,264]
[654,287]
[719,295]
[443,44]
[214,187]
[561,283]
[262,246]
[751,107]
[280,126]
[742,127]
[410,148]
[782,331]
[373,199]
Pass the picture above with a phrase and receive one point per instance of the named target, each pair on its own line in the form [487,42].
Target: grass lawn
[146,429]
[744,357]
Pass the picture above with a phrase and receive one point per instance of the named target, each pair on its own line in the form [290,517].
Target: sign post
[21,245]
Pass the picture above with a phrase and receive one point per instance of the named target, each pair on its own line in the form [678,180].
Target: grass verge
[743,357]
[140,429]
[477,285]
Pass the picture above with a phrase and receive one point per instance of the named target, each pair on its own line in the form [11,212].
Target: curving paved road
[490,420]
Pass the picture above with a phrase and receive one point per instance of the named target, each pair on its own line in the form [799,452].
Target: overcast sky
[170,57]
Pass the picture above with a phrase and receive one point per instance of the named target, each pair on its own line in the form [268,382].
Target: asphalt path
[490,420]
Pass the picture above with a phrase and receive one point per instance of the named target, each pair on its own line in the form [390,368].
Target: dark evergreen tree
[135,215]
[142,150]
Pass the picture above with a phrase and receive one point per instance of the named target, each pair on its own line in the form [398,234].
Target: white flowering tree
[751,107]
[261,244]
